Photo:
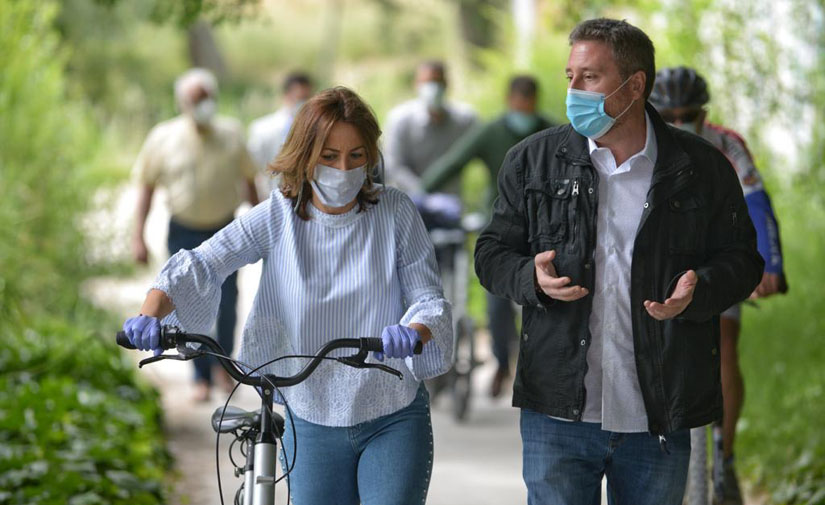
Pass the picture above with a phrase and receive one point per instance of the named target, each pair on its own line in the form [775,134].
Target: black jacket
[695,218]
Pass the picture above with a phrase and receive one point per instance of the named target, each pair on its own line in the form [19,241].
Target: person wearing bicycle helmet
[342,258]
[680,95]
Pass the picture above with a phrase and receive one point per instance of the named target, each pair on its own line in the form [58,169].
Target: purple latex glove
[399,342]
[144,333]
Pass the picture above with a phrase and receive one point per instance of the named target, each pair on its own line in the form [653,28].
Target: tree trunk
[478,28]
[203,50]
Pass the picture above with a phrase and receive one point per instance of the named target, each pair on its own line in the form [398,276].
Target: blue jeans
[183,237]
[386,461]
[564,463]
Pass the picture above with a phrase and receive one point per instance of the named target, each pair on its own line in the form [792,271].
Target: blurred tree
[187,12]
[477,23]
[330,39]
[203,50]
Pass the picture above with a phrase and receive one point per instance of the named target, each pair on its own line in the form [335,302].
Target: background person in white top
[268,134]
[202,162]
[419,131]
[342,258]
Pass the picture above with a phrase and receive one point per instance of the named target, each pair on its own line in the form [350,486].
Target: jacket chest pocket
[550,209]
[687,224]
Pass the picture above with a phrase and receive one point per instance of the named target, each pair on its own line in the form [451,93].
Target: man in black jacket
[623,238]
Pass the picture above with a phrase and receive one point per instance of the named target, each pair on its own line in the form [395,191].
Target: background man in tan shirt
[202,162]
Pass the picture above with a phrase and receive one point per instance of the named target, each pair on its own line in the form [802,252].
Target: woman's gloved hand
[144,333]
[399,342]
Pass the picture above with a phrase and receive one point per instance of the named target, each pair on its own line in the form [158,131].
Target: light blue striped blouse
[333,276]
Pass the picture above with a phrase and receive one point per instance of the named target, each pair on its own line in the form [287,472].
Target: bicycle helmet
[678,87]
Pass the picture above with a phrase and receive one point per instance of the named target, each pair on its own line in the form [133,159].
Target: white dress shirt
[614,397]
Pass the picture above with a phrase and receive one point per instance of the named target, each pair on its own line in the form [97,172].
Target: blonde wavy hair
[300,154]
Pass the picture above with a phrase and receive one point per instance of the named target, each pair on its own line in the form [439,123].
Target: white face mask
[691,127]
[432,93]
[337,188]
[204,111]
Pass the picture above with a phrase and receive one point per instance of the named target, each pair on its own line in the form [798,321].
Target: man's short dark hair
[631,47]
[436,66]
[524,85]
[296,78]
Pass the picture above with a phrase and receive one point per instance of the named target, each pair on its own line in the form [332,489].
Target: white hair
[195,77]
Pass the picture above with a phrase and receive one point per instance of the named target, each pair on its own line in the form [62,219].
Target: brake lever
[385,368]
[184,354]
[358,361]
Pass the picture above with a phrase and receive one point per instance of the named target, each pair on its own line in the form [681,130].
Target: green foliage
[42,140]
[186,12]
[121,64]
[781,441]
[74,428]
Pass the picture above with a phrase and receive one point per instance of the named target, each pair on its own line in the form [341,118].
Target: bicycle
[258,431]
[448,232]
[701,484]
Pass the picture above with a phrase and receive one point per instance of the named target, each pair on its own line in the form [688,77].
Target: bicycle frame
[259,469]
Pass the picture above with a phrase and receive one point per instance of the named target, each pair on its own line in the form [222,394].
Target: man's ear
[637,84]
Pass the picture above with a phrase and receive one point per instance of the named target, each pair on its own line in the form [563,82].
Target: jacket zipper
[663,444]
[575,213]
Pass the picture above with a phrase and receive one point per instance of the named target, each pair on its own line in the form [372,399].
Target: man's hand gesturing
[548,281]
[678,301]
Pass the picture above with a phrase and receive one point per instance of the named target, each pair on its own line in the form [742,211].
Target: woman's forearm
[426,334]
[157,304]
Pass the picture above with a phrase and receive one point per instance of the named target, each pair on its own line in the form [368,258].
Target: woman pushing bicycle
[342,258]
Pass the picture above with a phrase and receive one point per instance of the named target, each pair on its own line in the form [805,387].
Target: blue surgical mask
[585,110]
[521,122]
[337,188]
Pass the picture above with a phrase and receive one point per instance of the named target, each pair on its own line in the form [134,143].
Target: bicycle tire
[462,384]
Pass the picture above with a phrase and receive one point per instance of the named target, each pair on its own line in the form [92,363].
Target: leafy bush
[74,426]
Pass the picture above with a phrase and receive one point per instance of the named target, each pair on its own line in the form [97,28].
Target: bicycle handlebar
[171,338]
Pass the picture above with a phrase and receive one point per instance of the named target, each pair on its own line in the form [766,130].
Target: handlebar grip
[168,339]
[372,344]
[123,340]
[375,344]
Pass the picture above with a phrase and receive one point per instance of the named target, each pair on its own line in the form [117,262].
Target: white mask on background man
[690,127]
[432,94]
[337,188]
[204,111]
